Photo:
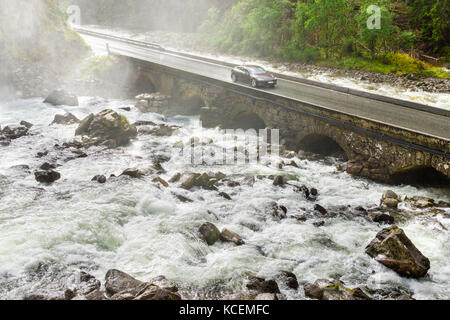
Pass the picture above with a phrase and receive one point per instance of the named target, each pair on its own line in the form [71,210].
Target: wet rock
[276,211]
[319,224]
[87,284]
[96,295]
[47,166]
[320,209]
[187,180]
[65,119]
[4,142]
[262,285]
[381,217]
[289,279]
[144,123]
[293,164]
[14,132]
[160,131]
[230,236]
[207,181]
[301,217]
[225,195]
[100,179]
[119,282]
[279,181]
[390,199]
[209,233]
[47,176]
[175,178]
[158,168]
[161,181]
[69,294]
[313,291]
[133,173]
[162,282]
[394,249]
[308,194]
[155,102]
[26,124]
[41,154]
[153,292]
[324,289]
[443,204]
[422,202]
[106,128]
[182,198]
[61,97]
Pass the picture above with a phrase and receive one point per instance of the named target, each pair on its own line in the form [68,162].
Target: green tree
[376,38]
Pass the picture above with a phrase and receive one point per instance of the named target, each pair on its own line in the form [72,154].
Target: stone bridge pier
[306,127]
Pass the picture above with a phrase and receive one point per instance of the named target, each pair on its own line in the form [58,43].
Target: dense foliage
[335,32]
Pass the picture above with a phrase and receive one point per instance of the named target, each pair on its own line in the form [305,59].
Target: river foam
[50,232]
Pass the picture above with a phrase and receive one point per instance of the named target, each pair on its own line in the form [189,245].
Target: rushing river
[48,233]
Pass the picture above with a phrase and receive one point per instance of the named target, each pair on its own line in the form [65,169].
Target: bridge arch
[421,176]
[144,83]
[322,144]
[247,120]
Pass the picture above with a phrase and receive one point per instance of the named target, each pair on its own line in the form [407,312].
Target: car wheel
[254,83]
[233,77]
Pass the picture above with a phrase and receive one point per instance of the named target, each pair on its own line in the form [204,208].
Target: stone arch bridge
[374,150]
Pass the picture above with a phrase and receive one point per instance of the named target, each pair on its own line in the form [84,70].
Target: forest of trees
[332,30]
[312,31]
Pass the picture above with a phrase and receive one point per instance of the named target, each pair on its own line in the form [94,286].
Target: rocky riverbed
[78,204]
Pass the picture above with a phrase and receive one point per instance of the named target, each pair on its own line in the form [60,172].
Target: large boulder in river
[262,285]
[390,199]
[61,97]
[209,233]
[120,282]
[230,236]
[48,176]
[14,132]
[122,286]
[66,119]
[107,128]
[394,249]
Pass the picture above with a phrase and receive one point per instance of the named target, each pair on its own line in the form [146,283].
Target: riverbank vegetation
[335,33]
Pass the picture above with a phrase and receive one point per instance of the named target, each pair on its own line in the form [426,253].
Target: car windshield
[256,70]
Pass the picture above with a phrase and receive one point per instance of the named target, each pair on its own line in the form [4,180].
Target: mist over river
[49,233]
